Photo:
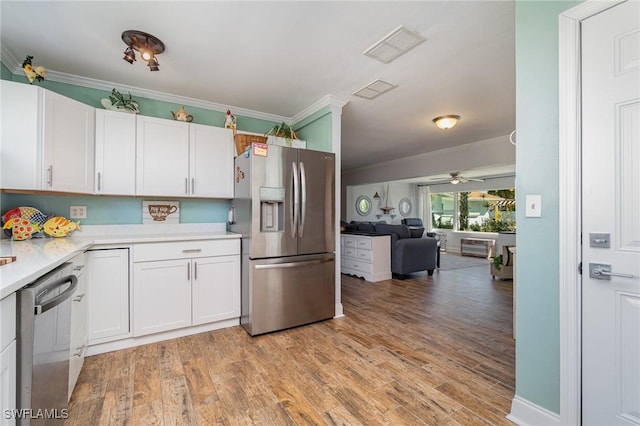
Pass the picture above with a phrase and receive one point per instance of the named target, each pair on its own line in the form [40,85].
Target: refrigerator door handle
[296,199]
[303,197]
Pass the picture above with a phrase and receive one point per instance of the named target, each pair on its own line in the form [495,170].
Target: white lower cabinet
[161,296]
[79,338]
[368,257]
[184,284]
[7,358]
[108,294]
[216,289]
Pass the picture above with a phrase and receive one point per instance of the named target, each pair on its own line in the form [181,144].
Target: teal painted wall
[537,333]
[103,210]
[5,74]
[316,130]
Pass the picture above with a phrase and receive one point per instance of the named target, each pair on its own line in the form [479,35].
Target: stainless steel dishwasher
[43,340]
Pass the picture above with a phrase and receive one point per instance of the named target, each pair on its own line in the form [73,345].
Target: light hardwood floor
[422,351]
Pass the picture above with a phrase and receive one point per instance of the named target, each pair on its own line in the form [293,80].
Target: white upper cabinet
[69,132]
[211,152]
[20,151]
[47,140]
[162,162]
[182,159]
[115,172]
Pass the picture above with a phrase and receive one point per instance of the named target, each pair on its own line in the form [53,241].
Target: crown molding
[9,60]
[327,100]
[15,67]
[160,96]
[335,102]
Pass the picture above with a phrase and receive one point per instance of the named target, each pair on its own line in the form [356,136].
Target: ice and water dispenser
[272,209]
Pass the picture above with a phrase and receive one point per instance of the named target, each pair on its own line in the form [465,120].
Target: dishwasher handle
[39,309]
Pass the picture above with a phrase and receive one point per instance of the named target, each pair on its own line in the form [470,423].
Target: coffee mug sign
[161,211]
[156,212]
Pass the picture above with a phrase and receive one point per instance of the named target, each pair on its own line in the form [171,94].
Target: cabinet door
[69,133]
[115,153]
[79,318]
[108,295]
[211,166]
[216,289]
[162,161]
[8,382]
[161,296]
[20,150]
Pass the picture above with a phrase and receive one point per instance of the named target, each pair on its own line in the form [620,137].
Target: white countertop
[37,256]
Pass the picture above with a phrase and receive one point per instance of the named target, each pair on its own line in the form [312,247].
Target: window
[480,211]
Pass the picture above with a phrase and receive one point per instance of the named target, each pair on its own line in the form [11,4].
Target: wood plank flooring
[422,351]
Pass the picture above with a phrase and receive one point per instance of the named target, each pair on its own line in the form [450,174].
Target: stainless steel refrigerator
[284,209]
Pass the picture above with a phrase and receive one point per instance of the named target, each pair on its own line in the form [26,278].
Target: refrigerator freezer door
[264,202]
[288,292]
[317,216]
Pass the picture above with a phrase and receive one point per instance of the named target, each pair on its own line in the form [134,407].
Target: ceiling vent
[394,44]
[375,89]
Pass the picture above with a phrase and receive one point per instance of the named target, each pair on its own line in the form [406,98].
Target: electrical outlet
[77,212]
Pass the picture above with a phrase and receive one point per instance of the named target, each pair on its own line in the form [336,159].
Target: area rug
[449,262]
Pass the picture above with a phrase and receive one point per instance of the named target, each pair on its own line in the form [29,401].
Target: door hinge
[580,268]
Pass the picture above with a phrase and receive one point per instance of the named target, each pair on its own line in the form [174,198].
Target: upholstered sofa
[410,252]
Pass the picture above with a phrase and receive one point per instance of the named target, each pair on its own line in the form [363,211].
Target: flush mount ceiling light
[375,89]
[147,45]
[445,122]
[394,44]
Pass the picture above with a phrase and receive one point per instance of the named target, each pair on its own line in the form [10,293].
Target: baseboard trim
[130,342]
[524,412]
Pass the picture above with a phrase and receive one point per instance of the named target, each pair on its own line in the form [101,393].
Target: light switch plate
[533,206]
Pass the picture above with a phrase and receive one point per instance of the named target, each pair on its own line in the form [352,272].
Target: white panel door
[611,206]
[108,294]
[216,289]
[162,161]
[161,296]
[115,153]
[211,153]
[8,383]
[69,135]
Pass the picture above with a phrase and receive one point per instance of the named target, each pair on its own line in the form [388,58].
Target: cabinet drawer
[185,249]
[349,241]
[350,252]
[8,317]
[357,265]
[363,243]
[365,255]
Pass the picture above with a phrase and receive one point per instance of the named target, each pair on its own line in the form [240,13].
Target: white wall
[397,192]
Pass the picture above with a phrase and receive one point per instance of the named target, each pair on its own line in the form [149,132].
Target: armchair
[409,253]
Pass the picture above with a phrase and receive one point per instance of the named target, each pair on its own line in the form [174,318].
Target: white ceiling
[281,57]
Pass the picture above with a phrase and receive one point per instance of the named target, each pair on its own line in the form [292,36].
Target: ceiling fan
[457,178]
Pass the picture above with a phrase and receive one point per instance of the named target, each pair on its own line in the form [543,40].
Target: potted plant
[283,130]
[118,102]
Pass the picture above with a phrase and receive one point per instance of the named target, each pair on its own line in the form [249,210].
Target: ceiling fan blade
[475,180]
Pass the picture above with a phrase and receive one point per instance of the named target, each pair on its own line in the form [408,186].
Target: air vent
[375,89]
[394,44]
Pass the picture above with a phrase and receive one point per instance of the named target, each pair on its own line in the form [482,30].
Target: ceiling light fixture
[147,45]
[445,122]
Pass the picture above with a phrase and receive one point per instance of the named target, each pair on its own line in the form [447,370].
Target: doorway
[579,162]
